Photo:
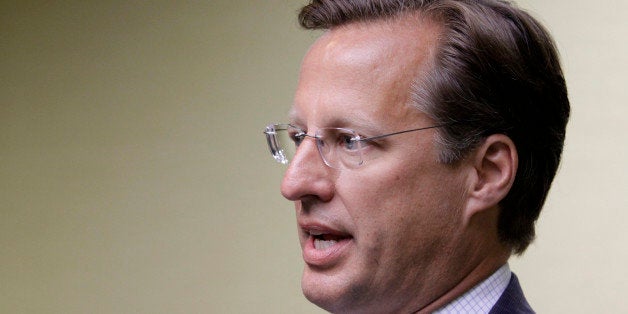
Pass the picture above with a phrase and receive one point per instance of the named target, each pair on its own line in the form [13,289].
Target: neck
[485,254]
[482,271]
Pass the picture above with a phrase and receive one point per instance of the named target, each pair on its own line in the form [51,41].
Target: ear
[494,166]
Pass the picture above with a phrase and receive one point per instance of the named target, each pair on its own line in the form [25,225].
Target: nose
[307,175]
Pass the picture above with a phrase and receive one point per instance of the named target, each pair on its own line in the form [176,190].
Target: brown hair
[496,71]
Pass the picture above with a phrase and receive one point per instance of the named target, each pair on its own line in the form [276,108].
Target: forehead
[406,39]
[364,69]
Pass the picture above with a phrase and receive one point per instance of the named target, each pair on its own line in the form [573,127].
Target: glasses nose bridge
[317,142]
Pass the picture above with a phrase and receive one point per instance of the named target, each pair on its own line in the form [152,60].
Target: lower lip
[327,257]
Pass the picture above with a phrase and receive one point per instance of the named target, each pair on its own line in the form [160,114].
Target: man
[427,136]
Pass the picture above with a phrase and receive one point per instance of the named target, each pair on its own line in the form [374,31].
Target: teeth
[323,244]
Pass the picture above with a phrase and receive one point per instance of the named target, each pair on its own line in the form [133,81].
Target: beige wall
[134,177]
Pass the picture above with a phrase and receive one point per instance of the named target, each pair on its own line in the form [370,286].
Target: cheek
[416,203]
[367,197]
[379,204]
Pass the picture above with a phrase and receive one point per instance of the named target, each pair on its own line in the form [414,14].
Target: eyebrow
[356,123]
[359,125]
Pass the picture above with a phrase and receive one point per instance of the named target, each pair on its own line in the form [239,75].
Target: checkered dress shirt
[482,297]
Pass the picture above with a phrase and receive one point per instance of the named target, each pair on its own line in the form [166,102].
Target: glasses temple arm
[401,132]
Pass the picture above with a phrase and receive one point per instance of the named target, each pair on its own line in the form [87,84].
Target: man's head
[427,212]
[496,71]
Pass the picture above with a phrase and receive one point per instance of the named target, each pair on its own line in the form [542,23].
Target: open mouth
[323,241]
[324,247]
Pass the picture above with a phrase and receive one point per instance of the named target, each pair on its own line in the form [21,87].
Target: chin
[325,290]
[333,293]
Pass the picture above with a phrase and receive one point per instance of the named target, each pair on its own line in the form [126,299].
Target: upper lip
[315,228]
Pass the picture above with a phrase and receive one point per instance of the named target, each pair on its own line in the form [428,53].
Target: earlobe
[494,165]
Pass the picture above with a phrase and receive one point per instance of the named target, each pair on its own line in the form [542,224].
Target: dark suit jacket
[512,300]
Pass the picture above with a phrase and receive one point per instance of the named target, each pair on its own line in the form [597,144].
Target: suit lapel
[512,301]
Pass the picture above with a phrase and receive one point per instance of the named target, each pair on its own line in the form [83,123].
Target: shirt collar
[482,297]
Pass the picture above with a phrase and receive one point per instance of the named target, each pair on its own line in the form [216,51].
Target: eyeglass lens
[337,147]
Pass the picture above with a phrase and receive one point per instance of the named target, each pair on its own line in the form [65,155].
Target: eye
[297,136]
[348,141]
